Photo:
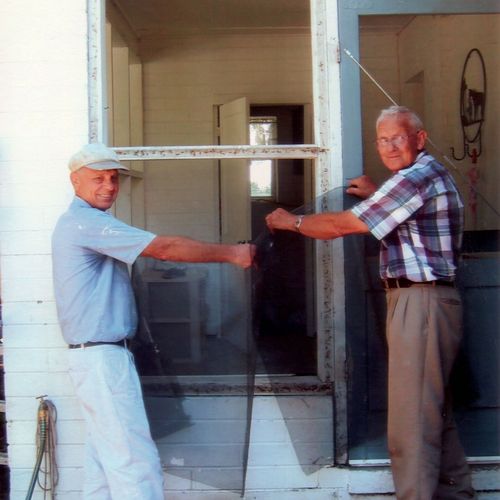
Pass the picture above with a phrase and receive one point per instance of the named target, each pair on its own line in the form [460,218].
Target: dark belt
[406,283]
[122,343]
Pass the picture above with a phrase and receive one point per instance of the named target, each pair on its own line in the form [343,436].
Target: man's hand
[281,219]
[244,254]
[362,186]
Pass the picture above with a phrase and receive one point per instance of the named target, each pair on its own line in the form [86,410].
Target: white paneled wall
[432,51]
[450,38]
[125,118]
[184,78]
[380,57]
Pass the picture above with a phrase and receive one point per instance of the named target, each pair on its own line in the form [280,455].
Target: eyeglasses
[397,140]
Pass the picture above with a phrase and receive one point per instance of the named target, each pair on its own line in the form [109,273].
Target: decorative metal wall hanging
[472,105]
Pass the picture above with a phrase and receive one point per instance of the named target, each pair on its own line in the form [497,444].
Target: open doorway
[287,175]
[286,342]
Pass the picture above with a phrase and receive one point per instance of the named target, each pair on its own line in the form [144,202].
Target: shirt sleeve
[102,233]
[392,204]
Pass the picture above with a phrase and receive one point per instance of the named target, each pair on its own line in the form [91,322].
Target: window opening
[162,152]
[181,197]
[263,132]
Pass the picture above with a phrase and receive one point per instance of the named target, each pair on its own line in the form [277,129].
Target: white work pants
[121,461]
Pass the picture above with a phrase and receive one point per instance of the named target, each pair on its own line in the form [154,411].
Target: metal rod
[371,77]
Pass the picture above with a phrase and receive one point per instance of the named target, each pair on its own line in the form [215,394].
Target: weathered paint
[236,386]
[302,151]
[330,174]
[96,63]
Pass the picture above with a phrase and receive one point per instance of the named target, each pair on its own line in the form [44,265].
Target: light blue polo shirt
[93,292]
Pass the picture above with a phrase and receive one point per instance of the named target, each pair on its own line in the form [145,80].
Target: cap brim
[106,165]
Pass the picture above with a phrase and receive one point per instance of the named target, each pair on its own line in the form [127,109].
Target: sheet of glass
[285,339]
[208,329]
[205,330]
[194,351]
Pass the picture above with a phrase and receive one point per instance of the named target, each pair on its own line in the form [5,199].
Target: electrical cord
[45,463]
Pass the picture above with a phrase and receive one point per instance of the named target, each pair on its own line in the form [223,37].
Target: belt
[122,343]
[406,283]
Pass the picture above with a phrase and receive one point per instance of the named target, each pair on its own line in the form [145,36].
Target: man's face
[398,144]
[99,188]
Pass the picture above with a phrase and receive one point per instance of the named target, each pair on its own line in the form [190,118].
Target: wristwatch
[298,222]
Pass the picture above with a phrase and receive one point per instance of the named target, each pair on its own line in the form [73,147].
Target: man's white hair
[411,118]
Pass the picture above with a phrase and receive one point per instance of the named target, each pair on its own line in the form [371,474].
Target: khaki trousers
[424,329]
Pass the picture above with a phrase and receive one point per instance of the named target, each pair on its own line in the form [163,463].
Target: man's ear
[421,138]
[74,178]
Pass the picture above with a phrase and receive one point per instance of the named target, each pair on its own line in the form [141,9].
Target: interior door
[235,220]
[234,174]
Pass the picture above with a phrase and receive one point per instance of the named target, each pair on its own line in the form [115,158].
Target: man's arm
[326,226]
[181,249]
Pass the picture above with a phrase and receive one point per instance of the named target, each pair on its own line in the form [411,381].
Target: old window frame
[324,153]
[336,135]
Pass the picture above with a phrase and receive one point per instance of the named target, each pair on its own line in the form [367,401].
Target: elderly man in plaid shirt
[417,215]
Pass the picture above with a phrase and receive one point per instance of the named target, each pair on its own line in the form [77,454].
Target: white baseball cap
[96,156]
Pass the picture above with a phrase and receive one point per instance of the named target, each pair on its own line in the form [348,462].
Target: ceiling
[149,18]
[386,24]
[152,18]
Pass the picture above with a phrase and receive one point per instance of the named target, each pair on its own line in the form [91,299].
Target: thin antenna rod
[371,77]
[448,160]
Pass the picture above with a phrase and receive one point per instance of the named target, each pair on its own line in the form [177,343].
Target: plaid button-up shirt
[418,216]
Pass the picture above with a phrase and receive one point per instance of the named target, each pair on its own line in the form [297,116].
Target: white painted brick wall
[43,119]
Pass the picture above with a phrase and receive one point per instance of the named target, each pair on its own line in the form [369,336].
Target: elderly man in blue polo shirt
[417,214]
[97,313]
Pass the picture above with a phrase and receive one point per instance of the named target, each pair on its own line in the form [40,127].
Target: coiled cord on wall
[46,447]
